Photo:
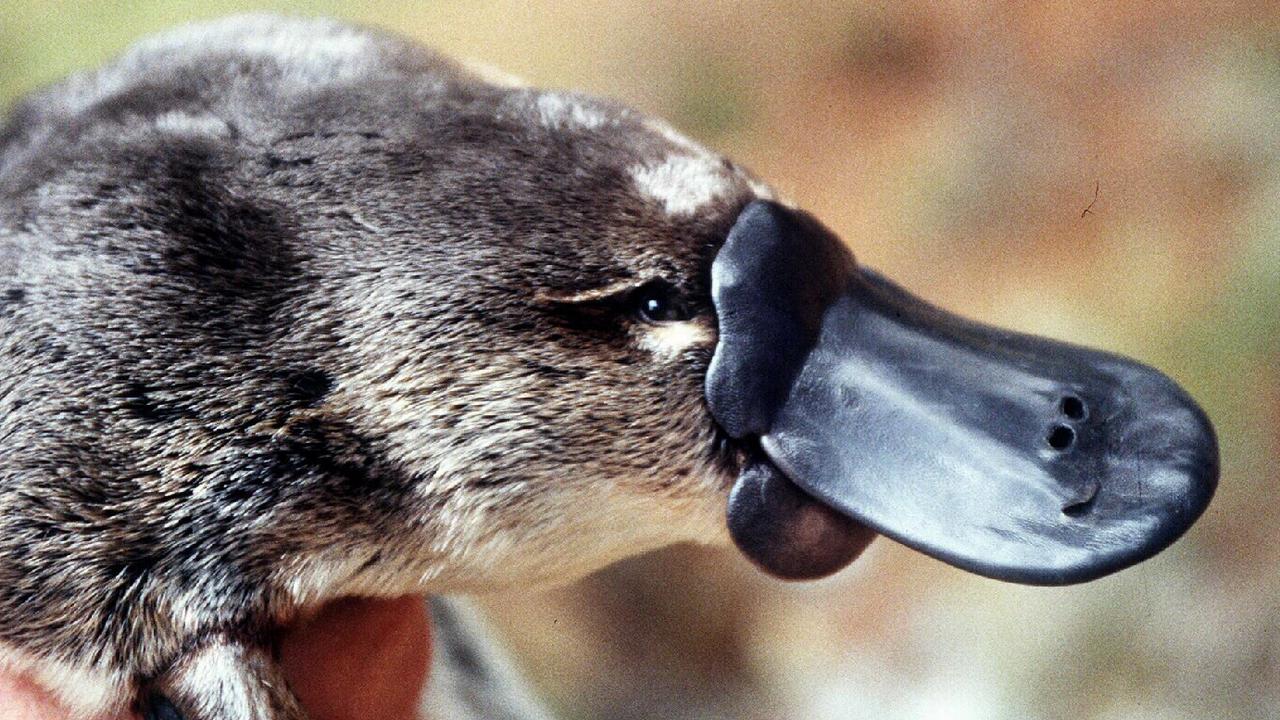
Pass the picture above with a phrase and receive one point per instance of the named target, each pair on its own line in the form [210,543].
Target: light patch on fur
[764,192]
[307,50]
[682,183]
[86,692]
[683,142]
[559,110]
[181,123]
[590,295]
[187,607]
[482,558]
[670,340]
[283,38]
[215,678]
[312,581]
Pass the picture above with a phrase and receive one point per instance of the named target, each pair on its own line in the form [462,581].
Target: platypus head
[588,335]
[533,332]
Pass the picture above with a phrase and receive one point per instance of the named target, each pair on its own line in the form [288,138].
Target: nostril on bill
[1061,437]
[1072,407]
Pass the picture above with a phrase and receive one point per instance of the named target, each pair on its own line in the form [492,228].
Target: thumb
[360,658]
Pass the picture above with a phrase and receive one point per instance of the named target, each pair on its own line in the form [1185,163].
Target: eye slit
[657,302]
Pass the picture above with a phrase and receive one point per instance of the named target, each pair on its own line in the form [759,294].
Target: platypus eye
[658,302]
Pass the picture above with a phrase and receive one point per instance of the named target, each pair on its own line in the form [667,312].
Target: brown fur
[290,310]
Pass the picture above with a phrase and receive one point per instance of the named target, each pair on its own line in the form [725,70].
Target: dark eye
[657,302]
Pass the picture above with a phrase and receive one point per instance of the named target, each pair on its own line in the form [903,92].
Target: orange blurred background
[956,146]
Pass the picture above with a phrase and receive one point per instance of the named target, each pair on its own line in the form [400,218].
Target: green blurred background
[955,147]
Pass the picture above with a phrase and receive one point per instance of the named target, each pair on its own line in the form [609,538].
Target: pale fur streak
[682,183]
[482,558]
[470,557]
[181,123]
[516,559]
[216,676]
[311,581]
[346,49]
[85,691]
[670,340]
[482,561]
[558,110]
[682,141]
[590,295]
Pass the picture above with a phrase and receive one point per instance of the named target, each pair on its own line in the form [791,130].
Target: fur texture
[291,310]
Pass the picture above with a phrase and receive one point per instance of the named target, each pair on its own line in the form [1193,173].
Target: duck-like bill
[1008,455]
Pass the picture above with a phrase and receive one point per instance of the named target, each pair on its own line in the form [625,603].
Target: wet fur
[291,310]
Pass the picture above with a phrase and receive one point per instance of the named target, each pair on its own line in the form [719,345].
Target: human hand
[355,659]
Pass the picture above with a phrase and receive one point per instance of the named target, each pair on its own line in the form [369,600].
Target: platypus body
[291,310]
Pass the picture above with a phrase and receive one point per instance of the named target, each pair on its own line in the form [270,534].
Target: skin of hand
[354,659]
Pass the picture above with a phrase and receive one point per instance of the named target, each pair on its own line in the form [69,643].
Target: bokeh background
[955,145]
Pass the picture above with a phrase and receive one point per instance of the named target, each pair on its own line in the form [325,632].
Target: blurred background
[956,146]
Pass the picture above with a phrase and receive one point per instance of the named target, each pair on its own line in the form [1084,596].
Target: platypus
[292,310]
